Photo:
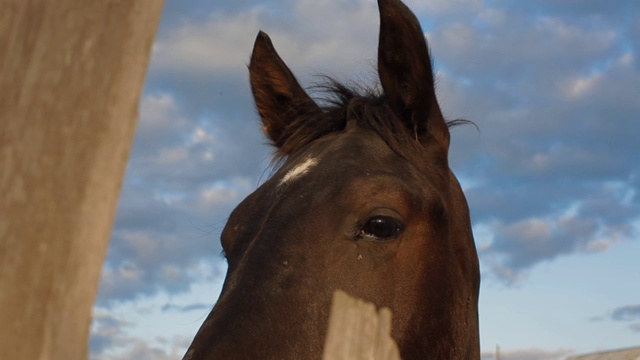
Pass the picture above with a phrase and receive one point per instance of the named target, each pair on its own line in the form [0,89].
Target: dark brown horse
[364,202]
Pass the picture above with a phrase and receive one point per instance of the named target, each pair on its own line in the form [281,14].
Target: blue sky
[552,176]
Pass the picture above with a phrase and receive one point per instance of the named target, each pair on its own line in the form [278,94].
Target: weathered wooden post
[71,74]
[358,332]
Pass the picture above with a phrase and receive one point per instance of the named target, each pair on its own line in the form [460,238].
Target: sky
[552,174]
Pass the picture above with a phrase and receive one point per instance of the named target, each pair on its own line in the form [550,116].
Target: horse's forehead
[299,170]
[341,157]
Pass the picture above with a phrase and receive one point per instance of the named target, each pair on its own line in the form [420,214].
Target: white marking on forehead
[299,170]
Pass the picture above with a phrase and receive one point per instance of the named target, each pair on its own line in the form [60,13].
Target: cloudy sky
[552,175]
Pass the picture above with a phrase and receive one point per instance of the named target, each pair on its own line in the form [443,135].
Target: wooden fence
[71,74]
[357,331]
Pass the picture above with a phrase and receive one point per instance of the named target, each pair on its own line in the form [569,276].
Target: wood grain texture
[357,331]
[71,75]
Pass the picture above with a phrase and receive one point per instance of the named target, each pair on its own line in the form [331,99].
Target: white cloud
[139,349]
[336,36]
[582,85]
[159,117]
[157,110]
[218,43]
[144,246]
[599,245]
[225,193]
[171,272]
[493,17]
[200,135]
[511,249]
[439,7]
[218,194]
[529,354]
[591,85]
[172,156]
[113,277]
[530,230]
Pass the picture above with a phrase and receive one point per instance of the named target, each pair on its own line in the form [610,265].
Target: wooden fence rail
[71,74]
[357,331]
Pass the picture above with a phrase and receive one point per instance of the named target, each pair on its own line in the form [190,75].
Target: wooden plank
[357,331]
[71,75]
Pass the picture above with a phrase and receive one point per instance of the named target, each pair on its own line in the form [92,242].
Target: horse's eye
[381,228]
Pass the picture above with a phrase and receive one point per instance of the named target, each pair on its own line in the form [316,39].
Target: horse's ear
[279,98]
[406,74]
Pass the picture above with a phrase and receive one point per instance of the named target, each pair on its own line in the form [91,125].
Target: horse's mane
[340,104]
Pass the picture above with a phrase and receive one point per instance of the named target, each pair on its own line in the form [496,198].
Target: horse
[363,201]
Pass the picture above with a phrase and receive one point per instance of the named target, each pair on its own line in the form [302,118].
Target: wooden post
[71,74]
[358,332]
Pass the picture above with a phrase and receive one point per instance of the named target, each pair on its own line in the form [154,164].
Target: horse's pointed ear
[406,74]
[279,98]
